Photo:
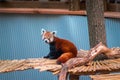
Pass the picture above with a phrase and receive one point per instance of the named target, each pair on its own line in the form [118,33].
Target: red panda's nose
[46,41]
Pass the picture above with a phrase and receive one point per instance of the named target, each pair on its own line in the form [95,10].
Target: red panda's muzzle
[46,41]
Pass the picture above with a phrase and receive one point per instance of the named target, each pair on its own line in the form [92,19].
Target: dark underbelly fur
[54,53]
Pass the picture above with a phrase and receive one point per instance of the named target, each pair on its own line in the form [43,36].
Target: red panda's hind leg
[64,57]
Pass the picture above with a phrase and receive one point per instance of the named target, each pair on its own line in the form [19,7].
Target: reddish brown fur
[65,56]
[60,49]
[68,48]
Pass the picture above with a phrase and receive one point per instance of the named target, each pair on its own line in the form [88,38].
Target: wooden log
[97,50]
[15,65]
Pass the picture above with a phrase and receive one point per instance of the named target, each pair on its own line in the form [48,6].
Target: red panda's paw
[64,57]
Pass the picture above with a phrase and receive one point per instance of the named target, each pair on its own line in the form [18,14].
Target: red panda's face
[47,36]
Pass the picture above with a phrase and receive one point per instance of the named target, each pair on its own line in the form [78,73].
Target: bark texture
[96,25]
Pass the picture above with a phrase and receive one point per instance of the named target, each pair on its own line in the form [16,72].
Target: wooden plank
[14,66]
[6,65]
[41,11]
[71,5]
[34,4]
[113,7]
[105,77]
[47,64]
[53,11]
[74,5]
[105,66]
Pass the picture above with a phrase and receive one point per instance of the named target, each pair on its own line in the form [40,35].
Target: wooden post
[73,77]
[96,25]
[74,5]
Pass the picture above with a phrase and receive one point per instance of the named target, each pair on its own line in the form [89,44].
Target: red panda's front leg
[46,56]
[53,53]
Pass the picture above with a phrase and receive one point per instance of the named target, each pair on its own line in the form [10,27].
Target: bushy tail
[65,57]
[63,73]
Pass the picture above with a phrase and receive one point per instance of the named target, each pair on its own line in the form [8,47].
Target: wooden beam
[34,4]
[113,7]
[105,77]
[41,11]
[74,5]
[54,11]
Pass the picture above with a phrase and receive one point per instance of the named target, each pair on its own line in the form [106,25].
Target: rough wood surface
[80,65]
[106,77]
[50,65]
[92,53]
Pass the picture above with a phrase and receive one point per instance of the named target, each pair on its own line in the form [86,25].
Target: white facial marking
[52,39]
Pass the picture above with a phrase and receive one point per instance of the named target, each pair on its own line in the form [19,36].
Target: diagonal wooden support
[92,53]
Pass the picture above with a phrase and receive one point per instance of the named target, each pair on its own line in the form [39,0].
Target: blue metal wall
[113,32]
[20,38]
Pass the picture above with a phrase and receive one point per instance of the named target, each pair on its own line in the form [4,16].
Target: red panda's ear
[43,31]
[54,33]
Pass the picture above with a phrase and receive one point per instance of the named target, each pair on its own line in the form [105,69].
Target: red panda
[60,49]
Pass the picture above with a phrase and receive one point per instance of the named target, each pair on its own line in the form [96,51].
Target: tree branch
[90,55]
